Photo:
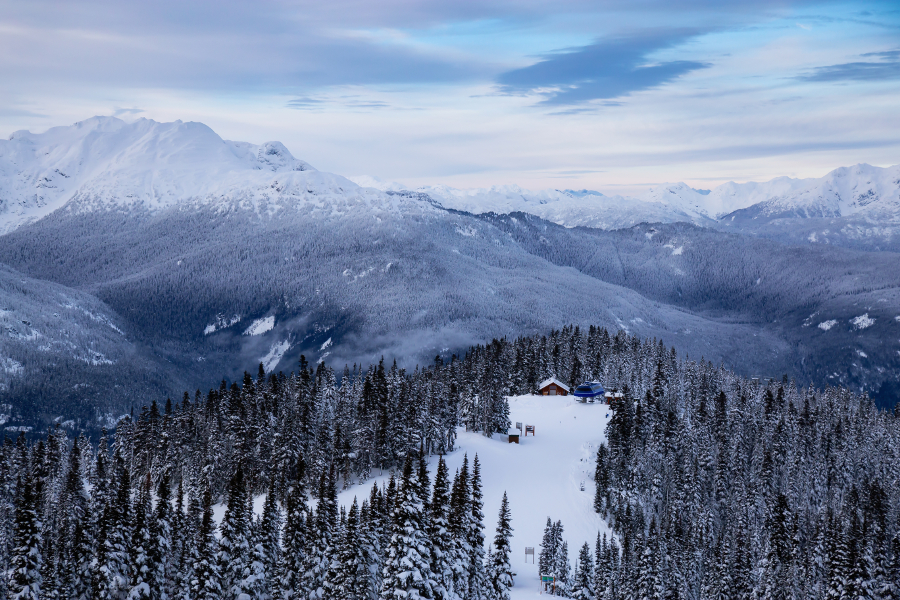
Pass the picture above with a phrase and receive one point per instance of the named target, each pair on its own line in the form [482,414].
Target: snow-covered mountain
[104,161]
[213,256]
[861,203]
[569,208]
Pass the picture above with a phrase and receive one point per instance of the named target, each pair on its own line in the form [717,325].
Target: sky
[608,95]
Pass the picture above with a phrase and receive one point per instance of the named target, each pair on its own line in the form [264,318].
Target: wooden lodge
[553,387]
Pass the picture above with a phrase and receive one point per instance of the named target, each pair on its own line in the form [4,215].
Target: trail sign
[531,552]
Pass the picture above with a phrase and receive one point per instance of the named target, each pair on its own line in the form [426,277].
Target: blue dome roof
[589,389]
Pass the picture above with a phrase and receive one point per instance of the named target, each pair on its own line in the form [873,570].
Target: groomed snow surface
[542,477]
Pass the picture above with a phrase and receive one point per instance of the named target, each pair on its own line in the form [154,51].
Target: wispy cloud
[604,70]
[304,103]
[885,69]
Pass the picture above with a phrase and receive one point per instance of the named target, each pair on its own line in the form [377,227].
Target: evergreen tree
[206,583]
[267,545]
[140,563]
[477,580]
[25,561]
[547,555]
[500,569]
[563,568]
[233,558]
[295,538]
[407,573]
[440,534]
[162,575]
[583,586]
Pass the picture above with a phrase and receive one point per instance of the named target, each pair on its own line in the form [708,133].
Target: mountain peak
[105,159]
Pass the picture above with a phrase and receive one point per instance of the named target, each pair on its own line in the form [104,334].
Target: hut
[513,436]
[553,387]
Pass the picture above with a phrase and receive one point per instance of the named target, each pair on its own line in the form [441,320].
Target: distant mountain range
[140,260]
[855,206]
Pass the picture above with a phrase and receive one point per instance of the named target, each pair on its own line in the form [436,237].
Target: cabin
[589,391]
[553,387]
[613,397]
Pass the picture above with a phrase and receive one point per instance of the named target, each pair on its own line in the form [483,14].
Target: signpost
[519,426]
[548,584]
[529,429]
[531,552]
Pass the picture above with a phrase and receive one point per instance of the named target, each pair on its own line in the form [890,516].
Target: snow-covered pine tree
[267,543]
[296,540]
[499,568]
[601,567]
[163,576]
[442,548]
[477,579]
[373,522]
[322,536]
[24,576]
[547,555]
[75,536]
[140,564]
[459,518]
[563,570]
[583,586]
[206,583]
[648,583]
[350,580]
[233,557]
[407,572]
[109,570]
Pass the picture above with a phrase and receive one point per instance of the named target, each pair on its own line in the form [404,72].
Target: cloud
[604,70]
[885,69]
[127,111]
[304,103]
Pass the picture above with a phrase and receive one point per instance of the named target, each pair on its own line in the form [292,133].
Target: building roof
[558,383]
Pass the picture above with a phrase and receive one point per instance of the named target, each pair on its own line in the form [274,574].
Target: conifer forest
[714,486]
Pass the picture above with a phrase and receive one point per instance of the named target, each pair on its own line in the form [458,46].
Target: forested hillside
[715,485]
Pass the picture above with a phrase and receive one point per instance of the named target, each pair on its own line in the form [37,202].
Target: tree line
[705,477]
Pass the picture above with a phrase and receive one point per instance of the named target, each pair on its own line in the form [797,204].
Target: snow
[260,326]
[826,325]
[10,366]
[677,251]
[862,321]
[542,476]
[325,345]
[221,323]
[370,181]
[104,162]
[271,360]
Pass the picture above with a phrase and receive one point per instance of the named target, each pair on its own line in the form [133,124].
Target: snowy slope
[860,190]
[541,476]
[564,207]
